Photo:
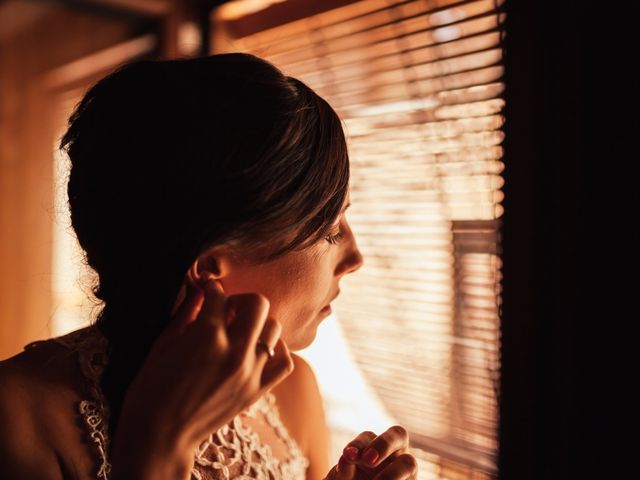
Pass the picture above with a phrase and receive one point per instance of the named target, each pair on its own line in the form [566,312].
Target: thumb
[345,470]
[187,305]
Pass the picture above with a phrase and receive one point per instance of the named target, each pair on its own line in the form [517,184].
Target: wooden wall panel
[26,162]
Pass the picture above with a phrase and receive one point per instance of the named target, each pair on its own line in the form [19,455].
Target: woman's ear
[215,263]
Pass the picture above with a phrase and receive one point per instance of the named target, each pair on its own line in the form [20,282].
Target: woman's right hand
[376,457]
[201,372]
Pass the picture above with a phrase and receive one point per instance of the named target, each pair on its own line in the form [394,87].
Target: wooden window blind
[418,86]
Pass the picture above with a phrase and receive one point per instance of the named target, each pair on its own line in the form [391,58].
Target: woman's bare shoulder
[289,396]
[47,367]
[38,388]
[301,408]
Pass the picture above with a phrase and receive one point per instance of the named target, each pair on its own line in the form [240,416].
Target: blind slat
[418,85]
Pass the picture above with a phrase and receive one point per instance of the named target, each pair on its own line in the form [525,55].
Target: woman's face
[299,285]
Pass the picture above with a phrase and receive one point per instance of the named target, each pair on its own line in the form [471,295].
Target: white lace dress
[235,451]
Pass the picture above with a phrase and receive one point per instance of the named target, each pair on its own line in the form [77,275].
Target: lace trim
[92,417]
[272,415]
[244,443]
[92,349]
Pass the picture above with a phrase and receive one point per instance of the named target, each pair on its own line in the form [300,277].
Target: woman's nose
[352,260]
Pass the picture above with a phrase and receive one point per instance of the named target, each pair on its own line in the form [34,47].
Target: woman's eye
[334,239]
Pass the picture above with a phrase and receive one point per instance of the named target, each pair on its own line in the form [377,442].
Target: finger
[393,439]
[185,310]
[213,306]
[269,336]
[188,309]
[277,368]
[353,450]
[332,473]
[403,467]
[251,311]
[345,470]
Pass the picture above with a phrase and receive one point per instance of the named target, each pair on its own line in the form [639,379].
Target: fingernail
[370,456]
[351,453]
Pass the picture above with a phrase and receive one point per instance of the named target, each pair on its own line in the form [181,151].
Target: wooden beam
[152,8]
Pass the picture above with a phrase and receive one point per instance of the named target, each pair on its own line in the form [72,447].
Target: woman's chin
[305,335]
[301,343]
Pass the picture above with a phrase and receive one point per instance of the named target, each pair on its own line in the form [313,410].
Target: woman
[209,195]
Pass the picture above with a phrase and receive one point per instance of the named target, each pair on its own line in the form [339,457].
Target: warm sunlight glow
[419,93]
[72,306]
[239,8]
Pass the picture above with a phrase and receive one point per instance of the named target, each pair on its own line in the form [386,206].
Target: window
[73,304]
[418,85]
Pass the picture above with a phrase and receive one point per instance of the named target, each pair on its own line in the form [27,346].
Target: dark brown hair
[171,157]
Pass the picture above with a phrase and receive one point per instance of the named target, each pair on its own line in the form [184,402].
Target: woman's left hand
[377,457]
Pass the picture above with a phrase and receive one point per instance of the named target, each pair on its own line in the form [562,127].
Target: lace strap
[272,414]
[94,418]
[92,349]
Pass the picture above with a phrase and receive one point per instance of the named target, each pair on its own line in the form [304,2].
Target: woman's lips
[327,308]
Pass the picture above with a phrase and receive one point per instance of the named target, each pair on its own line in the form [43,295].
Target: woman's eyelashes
[334,239]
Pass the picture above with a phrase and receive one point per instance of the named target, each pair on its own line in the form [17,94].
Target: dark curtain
[565,381]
